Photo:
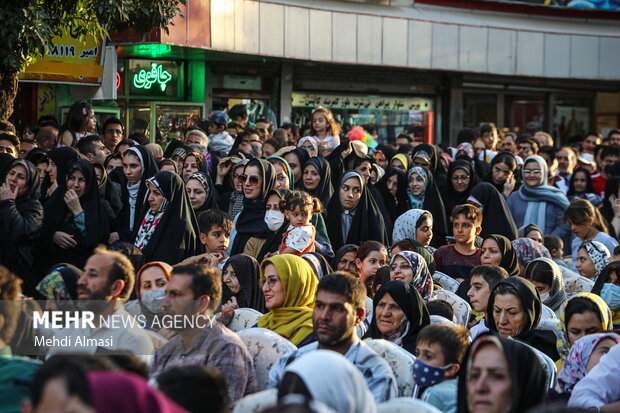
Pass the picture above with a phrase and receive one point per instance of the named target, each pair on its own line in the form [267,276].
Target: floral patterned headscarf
[417,201]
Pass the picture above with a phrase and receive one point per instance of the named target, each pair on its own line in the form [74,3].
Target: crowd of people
[492,266]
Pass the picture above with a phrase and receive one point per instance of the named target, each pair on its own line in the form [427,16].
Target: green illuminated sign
[145,79]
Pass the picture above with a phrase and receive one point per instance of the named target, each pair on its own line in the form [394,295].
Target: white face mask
[152,300]
[544,297]
[274,219]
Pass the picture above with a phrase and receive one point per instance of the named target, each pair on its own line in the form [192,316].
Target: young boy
[440,350]
[458,259]
[219,139]
[482,280]
[215,227]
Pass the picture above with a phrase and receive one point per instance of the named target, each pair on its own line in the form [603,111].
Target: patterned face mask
[425,375]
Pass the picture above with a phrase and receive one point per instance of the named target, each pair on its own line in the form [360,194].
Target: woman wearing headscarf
[240,279]
[352,214]
[461,179]
[592,257]
[401,161]
[581,359]
[607,286]
[547,277]
[310,144]
[496,217]
[296,159]
[228,186]
[416,225]
[59,287]
[393,189]
[399,313]
[498,250]
[514,310]
[411,267]
[75,219]
[169,230]
[585,313]
[316,179]
[427,155]
[528,250]
[344,390]
[383,154]
[344,259]
[201,192]
[532,232]
[138,166]
[415,246]
[258,178]
[516,385]
[121,392]
[21,217]
[289,287]
[285,178]
[538,202]
[422,193]
[59,158]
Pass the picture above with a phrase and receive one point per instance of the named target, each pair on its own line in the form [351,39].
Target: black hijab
[543,340]
[212,200]
[58,217]
[324,190]
[176,235]
[396,206]
[451,198]
[149,169]
[302,157]
[247,270]
[251,220]
[611,189]
[109,193]
[527,375]
[603,278]
[496,217]
[173,145]
[61,157]
[412,304]
[435,166]
[5,162]
[510,261]
[21,228]
[367,222]
[340,252]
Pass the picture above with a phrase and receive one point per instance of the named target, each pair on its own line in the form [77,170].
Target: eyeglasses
[463,178]
[270,282]
[252,179]
[533,172]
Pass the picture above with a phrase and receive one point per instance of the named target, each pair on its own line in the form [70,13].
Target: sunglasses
[252,179]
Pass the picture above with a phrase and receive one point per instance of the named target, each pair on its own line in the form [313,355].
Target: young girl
[587,224]
[371,256]
[581,187]
[415,224]
[592,257]
[325,129]
[300,235]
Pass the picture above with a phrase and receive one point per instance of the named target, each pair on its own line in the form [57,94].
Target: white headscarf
[405,225]
[344,389]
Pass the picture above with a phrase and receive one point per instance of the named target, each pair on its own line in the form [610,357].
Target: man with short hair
[105,285]
[92,148]
[567,160]
[592,139]
[9,143]
[112,133]
[14,370]
[266,126]
[614,138]
[194,292]
[338,310]
[526,146]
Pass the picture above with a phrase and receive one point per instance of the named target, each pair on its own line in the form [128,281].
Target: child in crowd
[325,129]
[482,280]
[371,256]
[440,350]
[214,226]
[300,235]
[555,245]
[587,224]
[458,259]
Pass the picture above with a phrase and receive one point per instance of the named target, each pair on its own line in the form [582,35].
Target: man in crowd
[195,291]
[9,143]
[112,133]
[105,285]
[92,148]
[338,310]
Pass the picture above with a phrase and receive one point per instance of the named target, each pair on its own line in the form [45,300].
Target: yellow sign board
[69,60]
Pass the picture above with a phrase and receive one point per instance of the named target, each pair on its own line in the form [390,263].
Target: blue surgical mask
[610,293]
[425,375]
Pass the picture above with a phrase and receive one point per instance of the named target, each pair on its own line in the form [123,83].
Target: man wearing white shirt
[106,283]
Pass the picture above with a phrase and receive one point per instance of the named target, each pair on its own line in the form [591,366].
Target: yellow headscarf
[403,158]
[293,320]
[562,342]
